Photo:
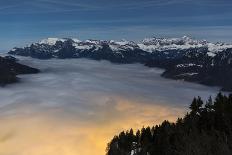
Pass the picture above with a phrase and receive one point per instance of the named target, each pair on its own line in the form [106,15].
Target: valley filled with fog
[75,106]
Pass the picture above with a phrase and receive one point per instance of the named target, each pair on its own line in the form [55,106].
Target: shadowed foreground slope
[9,69]
[203,131]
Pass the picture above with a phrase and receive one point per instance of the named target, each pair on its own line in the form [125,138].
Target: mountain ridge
[148,44]
[205,130]
[10,68]
[182,58]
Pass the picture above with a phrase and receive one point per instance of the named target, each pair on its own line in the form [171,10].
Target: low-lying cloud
[75,106]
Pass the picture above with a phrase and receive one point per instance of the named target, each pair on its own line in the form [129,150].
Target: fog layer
[75,106]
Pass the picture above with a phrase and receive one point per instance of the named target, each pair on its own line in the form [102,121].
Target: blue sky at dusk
[26,21]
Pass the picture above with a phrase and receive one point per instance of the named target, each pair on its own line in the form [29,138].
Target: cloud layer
[75,106]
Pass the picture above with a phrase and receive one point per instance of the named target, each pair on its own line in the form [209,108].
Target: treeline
[205,130]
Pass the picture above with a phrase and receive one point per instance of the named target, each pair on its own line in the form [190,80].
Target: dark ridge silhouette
[205,130]
[10,68]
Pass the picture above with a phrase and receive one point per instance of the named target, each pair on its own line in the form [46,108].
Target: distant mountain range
[182,58]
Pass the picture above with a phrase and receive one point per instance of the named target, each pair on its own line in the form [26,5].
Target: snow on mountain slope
[218,47]
[148,44]
[51,41]
[183,58]
[162,44]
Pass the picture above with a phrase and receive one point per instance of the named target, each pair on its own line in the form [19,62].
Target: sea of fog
[75,106]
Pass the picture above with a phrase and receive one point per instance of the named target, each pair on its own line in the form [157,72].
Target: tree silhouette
[203,131]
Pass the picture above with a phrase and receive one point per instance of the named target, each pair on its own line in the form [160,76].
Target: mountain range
[182,58]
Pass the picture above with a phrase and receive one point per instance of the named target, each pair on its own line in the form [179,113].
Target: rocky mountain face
[9,69]
[183,58]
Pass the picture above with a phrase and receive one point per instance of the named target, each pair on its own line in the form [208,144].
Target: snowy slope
[148,44]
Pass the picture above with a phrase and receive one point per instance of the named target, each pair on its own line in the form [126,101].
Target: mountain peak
[51,41]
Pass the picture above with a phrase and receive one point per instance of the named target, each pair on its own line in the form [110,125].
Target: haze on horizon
[26,21]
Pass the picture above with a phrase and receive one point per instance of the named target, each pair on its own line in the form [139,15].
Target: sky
[27,21]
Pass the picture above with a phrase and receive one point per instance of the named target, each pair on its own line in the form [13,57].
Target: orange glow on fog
[48,133]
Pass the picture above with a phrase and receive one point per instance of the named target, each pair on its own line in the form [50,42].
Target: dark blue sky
[26,21]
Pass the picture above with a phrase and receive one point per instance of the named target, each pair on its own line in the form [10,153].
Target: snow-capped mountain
[51,41]
[148,44]
[52,46]
[183,58]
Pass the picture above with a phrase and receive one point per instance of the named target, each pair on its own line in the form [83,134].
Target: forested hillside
[205,130]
